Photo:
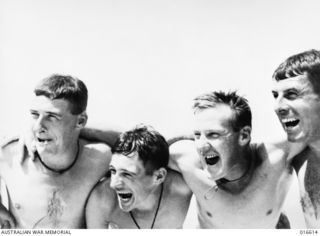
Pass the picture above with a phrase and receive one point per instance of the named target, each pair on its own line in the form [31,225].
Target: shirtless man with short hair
[237,184]
[141,192]
[296,90]
[50,190]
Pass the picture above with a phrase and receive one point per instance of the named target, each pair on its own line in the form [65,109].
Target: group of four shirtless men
[61,175]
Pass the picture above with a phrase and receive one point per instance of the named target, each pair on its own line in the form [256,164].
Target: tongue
[212,160]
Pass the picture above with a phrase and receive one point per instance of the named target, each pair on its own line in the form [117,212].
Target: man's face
[215,140]
[130,181]
[298,108]
[53,125]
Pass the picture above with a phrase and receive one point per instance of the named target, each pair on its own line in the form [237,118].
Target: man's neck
[59,163]
[240,174]
[150,204]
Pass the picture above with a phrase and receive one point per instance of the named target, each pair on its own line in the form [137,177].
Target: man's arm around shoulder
[100,205]
[183,156]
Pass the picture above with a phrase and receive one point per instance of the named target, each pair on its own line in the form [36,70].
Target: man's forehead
[215,116]
[129,162]
[43,103]
[297,82]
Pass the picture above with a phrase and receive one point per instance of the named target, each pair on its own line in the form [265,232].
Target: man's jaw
[125,199]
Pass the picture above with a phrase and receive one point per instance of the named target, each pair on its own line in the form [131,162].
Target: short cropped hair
[64,87]
[307,62]
[238,104]
[151,146]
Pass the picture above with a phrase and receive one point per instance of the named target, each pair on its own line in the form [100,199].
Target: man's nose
[116,181]
[203,145]
[281,107]
[39,125]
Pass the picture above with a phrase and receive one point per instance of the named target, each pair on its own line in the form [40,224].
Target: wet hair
[238,104]
[151,146]
[307,63]
[64,87]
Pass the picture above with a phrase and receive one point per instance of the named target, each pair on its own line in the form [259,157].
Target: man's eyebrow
[54,113]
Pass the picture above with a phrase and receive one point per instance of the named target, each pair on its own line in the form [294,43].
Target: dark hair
[151,146]
[64,87]
[239,105]
[307,62]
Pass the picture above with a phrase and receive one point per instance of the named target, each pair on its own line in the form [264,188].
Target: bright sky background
[144,61]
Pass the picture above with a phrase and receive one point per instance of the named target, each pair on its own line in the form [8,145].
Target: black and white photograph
[159,114]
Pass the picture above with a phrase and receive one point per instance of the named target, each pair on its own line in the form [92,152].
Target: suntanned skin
[44,198]
[296,99]
[258,203]
[104,209]
[253,201]
[104,212]
[39,198]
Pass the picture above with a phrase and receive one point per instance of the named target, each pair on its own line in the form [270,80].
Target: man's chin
[125,206]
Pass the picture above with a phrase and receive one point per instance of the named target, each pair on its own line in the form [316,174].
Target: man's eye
[34,115]
[196,135]
[275,95]
[291,95]
[52,117]
[127,175]
[112,171]
[213,135]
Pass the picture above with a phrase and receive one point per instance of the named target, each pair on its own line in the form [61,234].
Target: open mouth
[290,123]
[125,196]
[211,159]
[43,141]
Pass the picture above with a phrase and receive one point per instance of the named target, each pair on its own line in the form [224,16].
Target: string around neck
[155,215]
[60,171]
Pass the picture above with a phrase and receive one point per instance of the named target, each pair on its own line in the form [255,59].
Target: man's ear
[82,119]
[245,135]
[160,175]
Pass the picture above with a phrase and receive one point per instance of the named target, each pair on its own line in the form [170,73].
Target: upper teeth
[285,120]
[210,156]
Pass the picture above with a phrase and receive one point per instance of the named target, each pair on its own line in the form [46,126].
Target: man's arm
[101,202]
[185,159]
[108,136]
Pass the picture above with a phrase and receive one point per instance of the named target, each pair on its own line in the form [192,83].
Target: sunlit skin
[128,176]
[256,177]
[215,137]
[297,101]
[52,193]
[54,130]
[130,188]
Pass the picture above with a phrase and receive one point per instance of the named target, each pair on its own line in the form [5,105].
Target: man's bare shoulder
[10,147]
[279,150]
[177,183]
[101,203]
[102,198]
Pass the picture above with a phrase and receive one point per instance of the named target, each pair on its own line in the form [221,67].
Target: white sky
[144,61]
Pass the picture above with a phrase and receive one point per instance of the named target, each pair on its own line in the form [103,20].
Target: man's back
[257,205]
[39,198]
[103,210]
